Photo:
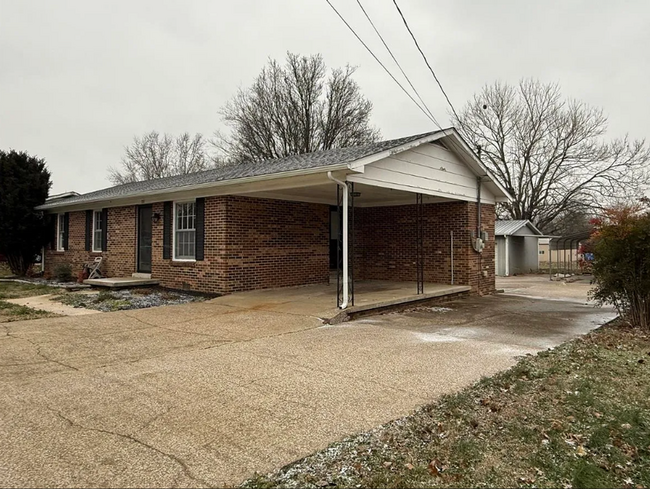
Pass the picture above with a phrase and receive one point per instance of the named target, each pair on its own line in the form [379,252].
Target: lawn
[12,312]
[14,290]
[575,416]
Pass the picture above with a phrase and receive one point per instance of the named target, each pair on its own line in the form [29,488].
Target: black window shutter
[52,221]
[167,230]
[200,229]
[66,230]
[104,229]
[89,229]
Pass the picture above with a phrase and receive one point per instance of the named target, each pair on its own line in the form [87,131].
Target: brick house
[412,214]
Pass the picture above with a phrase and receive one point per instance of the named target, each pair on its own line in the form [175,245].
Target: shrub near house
[622,262]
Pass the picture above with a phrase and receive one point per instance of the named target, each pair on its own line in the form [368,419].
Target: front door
[144,239]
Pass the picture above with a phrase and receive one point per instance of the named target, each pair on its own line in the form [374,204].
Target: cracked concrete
[206,394]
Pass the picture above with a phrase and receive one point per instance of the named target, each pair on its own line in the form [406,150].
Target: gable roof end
[508,227]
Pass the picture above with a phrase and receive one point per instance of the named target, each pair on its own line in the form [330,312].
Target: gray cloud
[79,79]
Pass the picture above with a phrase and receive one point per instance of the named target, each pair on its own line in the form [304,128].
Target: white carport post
[507,270]
[346,276]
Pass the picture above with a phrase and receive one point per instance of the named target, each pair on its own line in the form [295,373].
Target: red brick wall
[274,243]
[260,243]
[385,244]
[119,259]
[249,244]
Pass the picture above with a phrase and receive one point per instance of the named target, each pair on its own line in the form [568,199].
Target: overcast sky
[78,79]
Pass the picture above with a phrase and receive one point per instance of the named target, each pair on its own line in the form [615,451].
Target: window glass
[185,232]
[60,232]
[98,228]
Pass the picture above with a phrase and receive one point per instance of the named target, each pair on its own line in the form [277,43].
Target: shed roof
[506,228]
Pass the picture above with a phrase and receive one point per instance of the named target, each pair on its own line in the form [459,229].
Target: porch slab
[320,300]
[120,282]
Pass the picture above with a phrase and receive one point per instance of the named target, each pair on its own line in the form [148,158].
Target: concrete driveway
[206,394]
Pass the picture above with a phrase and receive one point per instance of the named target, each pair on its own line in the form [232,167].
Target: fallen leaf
[408,466]
[435,467]
[388,464]
[580,451]
[598,415]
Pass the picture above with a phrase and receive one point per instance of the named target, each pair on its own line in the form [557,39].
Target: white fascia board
[201,190]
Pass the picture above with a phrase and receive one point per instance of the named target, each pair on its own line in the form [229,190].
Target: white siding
[428,169]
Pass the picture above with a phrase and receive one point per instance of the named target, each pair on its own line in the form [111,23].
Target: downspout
[346,277]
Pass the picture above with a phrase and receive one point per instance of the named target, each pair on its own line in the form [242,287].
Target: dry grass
[13,312]
[15,290]
[576,416]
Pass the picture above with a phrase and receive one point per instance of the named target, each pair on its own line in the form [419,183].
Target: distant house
[517,247]
[411,216]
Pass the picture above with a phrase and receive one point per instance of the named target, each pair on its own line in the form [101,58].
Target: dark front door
[144,239]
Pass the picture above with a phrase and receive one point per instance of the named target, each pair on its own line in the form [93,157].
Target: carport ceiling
[370,196]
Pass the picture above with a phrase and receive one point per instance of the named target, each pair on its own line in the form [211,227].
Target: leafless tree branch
[293,109]
[550,153]
[155,156]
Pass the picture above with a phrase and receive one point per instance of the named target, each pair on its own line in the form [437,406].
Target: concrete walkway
[206,394]
[45,303]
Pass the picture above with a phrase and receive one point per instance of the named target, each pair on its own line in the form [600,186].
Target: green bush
[622,263]
[63,272]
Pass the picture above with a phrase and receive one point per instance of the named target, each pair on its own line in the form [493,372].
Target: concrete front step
[120,282]
[141,275]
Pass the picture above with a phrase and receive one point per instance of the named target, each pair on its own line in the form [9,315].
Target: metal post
[351,244]
[550,259]
[338,247]
[452,257]
[419,224]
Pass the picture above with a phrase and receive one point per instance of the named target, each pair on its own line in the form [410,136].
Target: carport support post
[346,276]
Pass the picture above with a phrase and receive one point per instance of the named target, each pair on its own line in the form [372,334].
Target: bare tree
[156,155]
[549,153]
[295,108]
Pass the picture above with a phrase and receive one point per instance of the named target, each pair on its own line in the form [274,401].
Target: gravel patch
[126,299]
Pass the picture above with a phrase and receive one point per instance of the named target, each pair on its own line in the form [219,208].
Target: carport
[406,224]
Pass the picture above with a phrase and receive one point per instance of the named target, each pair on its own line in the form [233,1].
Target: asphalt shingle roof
[316,159]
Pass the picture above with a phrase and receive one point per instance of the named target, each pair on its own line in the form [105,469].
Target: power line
[397,62]
[381,64]
[425,59]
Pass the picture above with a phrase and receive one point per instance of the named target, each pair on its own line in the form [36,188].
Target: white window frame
[60,231]
[97,247]
[176,204]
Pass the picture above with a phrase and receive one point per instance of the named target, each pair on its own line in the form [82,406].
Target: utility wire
[397,63]
[425,59]
[381,64]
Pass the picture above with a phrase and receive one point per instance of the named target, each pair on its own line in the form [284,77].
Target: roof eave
[115,200]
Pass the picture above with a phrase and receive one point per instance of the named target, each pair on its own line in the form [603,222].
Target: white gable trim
[458,146]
